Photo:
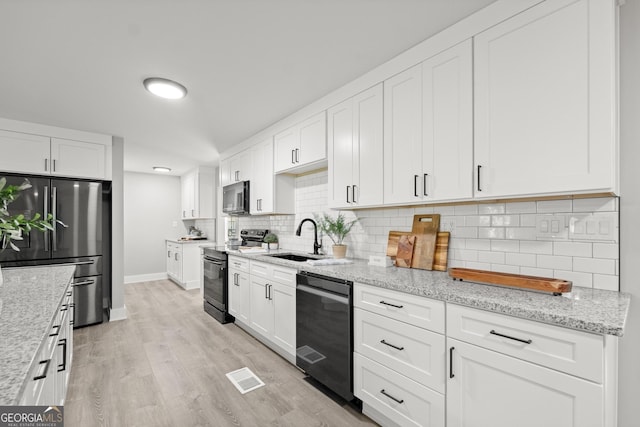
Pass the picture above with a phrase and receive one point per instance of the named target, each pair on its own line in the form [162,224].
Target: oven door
[215,276]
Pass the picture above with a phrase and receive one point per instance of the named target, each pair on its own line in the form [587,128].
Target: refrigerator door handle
[54,211]
[46,214]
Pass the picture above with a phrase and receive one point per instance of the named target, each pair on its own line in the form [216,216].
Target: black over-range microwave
[235,198]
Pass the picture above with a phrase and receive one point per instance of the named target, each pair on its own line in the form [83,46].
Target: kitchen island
[30,304]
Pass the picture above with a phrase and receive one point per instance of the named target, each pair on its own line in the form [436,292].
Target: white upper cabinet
[428,135]
[27,153]
[545,101]
[225,172]
[403,136]
[198,194]
[355,151]
[303,146]
[447,125]
[77,158]
[241,167]
[269,193]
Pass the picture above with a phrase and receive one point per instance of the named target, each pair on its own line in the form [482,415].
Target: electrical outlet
[551,227]
[592,227]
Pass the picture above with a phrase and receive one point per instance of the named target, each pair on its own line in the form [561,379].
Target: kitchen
[370,236]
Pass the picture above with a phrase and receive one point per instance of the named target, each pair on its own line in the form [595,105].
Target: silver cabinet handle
[297,155]
[293,156]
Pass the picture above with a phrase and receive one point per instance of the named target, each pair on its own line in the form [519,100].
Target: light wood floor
[166,364]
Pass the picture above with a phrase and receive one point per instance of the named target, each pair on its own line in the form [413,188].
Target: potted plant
[337,229]
[12,227]
[271,239]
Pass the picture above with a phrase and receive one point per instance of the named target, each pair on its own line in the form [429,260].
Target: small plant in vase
[271,240]
[13,227]
[337,229]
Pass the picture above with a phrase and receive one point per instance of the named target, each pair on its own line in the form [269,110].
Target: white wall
[151,207]
[118,309]
[629,367]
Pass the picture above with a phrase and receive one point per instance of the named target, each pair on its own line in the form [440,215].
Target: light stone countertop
[29,300]
[586,309]
[199,241]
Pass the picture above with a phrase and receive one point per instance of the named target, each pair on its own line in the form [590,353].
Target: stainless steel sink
[293,257]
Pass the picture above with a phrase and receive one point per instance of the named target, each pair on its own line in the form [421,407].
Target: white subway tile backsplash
[491,209]
[551,206]
[525,260]
[521,207]
[573,249]
[487,236]
[536,247]
[554,262]
[505,245]
[594,265]
[606,281]
[606,250]
[602,204]
[491,233]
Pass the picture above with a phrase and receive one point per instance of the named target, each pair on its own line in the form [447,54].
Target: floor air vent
[245,380]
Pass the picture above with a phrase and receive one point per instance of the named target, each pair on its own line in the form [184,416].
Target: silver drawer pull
[392,305]
[391,397]
[391,345]
[511,338]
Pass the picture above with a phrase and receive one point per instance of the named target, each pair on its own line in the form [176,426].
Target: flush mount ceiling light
[161,169]
[165,88]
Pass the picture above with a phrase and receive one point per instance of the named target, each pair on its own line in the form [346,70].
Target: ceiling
[246,64]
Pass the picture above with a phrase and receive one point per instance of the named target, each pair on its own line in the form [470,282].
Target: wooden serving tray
[544,284]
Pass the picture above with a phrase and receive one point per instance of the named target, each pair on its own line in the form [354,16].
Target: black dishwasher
[324,331]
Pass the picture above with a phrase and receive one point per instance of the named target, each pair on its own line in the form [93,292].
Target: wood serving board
[441,249]
[545,284]
[406,244]
[426,228]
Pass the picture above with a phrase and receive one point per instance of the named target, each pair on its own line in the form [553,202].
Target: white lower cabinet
[183,264]
[239,304]
[264,300]
[486,388]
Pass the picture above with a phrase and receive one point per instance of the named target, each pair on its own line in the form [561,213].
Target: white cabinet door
[368,148]
[313,140]
[355,151]
[188,185]
[261,306]
[545,101]
[286,143]
[284,310]
[24,153]
[261,190]
[340,141]
[239,302]
[78,159]
[447,133]
[486,388]
[225,172]
[241,166]
[403,136]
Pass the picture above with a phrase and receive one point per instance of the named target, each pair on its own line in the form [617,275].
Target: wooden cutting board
[426,227]
[441,252]
[545,284]
[406,244]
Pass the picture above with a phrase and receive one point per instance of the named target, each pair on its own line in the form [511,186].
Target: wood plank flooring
[166,364]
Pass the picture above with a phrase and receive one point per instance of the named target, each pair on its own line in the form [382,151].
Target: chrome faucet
[316,245]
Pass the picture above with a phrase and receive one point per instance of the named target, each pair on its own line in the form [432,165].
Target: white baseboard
[117,314]
[145,277]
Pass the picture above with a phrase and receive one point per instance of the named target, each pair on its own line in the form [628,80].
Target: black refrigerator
[84,209]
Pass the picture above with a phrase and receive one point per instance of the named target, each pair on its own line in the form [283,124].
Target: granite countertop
[586,309]
[187,241]
[29,299]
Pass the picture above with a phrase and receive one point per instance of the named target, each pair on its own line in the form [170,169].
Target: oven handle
[214,261]
[321,293]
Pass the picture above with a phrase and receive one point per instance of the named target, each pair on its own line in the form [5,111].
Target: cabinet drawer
[574,352]
[238,263]
[415,310]
[414,352]
[395,396]
[283,275]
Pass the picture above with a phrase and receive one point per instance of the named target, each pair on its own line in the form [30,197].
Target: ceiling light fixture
[161,169]
[165,88]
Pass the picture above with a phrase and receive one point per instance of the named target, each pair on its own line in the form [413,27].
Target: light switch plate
[593,227]
[552,227]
